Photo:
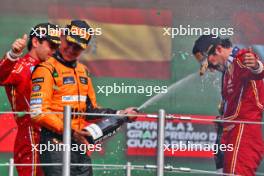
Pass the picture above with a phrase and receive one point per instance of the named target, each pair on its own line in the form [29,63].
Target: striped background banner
[249,26]
[132,44]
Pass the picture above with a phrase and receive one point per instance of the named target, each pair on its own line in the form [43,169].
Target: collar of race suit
[58,56]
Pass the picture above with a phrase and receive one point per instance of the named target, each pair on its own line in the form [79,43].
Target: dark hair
[209,42]
[29,44]
[225,43]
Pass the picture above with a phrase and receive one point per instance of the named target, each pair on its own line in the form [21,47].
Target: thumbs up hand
[250,60]
[19,45]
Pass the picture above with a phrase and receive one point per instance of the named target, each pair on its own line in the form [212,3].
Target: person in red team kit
[242,97]
[15,76]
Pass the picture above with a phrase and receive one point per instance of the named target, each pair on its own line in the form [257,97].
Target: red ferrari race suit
[15,75]
[243,95]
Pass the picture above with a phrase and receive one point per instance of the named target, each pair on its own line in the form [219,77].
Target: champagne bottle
[105,128]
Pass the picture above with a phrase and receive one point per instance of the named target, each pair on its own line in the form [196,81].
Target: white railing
[160,168]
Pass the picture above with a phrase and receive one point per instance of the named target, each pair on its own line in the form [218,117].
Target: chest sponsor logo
[68,80]
[38,80]
[35,101]
[84,80]
[36,88]
[73,98]
[37,94]
[35,106]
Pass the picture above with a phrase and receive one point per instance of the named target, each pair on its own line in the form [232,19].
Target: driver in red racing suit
[243,100]
[15,76]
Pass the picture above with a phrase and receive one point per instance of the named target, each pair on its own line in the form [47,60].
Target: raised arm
[10,70]
[250,66]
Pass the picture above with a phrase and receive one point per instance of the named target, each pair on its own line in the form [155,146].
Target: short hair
[29,44]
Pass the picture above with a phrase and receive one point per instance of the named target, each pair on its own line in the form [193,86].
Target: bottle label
[94,130]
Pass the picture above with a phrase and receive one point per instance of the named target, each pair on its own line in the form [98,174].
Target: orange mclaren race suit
[15,76]
[56,83]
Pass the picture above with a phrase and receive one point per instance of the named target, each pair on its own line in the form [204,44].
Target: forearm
[52,122]
[10,59]
[258,72]
[7,65]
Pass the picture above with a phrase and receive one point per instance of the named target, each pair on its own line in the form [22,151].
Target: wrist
[256,67]
[13,56]
[259,68]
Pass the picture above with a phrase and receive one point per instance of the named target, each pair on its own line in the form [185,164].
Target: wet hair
[225,43]
[205,42]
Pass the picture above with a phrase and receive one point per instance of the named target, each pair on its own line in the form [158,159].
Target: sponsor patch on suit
[35,101]
[84,80]
[37,94]
[38,80]
[36,88]
[73,98]
[68,80]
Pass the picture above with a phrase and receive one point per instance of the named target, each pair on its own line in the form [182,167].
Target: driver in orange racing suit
[60,81]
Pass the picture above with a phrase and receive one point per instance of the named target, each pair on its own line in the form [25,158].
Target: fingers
[25,37]
[79,136]
[250,63]
[250,60]
[248,55]
[83,140]
[16,47]
[84,133]
[130,110]
[131,118]
[135,109]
